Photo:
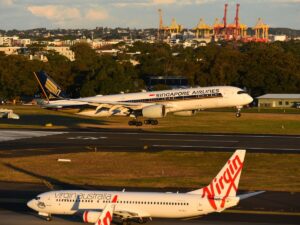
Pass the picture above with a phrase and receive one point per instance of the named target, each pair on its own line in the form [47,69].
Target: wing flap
[130,214]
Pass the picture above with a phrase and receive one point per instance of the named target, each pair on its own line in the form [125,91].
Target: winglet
[107,214]
[115,199]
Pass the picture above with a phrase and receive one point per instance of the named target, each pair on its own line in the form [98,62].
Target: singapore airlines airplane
[100,207]
[151,105]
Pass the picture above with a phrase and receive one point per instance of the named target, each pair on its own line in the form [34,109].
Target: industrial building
[220,30]
[279,100]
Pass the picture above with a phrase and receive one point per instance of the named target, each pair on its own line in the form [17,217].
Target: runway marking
[10,135]
[86,138]
[220,147]
[196,140]
[206,135]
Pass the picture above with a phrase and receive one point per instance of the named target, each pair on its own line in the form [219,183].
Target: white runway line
[191,140]
[204,135]
[226,147]
[10,135]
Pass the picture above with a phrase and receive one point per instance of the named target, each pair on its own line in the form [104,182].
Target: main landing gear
[135,123]
[140,123]
[152,122]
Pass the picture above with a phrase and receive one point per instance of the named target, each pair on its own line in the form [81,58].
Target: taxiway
[36,142]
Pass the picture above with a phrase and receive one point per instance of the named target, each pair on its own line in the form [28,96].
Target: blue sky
[26,14]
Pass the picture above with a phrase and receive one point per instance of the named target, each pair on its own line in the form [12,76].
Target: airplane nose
[31,204]
[250,99]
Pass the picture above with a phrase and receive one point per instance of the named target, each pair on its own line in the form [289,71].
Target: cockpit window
[37,198]
[241,92]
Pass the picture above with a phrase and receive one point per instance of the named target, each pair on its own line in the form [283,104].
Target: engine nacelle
[186,113]
[154,111]
[91,216]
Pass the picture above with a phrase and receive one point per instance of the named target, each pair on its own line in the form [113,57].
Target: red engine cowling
[91,216]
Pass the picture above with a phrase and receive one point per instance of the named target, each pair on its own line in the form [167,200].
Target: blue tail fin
[50,89]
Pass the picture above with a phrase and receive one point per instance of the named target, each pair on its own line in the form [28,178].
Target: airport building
[279,100]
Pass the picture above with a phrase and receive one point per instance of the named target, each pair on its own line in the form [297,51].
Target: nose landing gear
[238,112]
[45,216]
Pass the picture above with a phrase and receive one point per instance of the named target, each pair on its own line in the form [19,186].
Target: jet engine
[186,113]
[154,111]
[91,216]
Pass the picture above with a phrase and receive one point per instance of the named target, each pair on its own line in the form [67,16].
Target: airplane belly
[61,209]
[172,213]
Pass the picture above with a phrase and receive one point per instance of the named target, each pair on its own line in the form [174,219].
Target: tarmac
[29,218]
[35,142]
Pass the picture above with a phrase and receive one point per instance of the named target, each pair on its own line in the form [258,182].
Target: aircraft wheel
[154,122]
[147,122]
[48,218]
[238,114]
[139,123]
[132,123]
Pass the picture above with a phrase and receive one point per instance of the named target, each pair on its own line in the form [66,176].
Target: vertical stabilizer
[225,184]
[50,89]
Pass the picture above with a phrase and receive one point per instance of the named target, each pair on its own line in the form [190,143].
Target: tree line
[257,67]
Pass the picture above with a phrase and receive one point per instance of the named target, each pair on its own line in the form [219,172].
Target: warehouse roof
[280,96]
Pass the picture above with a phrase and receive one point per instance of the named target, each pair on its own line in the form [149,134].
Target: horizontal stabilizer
[248,195]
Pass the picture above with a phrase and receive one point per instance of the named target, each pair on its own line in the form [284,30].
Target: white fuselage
[146,204]
[174,100]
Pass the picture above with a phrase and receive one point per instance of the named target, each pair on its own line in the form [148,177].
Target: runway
[13,143]
[31,218]
[35,142]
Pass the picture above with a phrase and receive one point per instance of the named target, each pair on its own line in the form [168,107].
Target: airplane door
[199,207]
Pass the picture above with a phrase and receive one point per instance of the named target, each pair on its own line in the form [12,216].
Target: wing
[113,104]
[124,214]
[98,107]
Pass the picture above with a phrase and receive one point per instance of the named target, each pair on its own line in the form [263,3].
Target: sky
[52,14]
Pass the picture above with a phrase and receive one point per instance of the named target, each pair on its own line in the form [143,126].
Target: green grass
[277,172]
[215,121]
[226,122]
[260,110]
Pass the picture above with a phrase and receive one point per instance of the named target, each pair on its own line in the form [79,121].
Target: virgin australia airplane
[151,105]
[126,207]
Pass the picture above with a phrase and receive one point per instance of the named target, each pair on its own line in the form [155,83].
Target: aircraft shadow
[50,182]
[62,120]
